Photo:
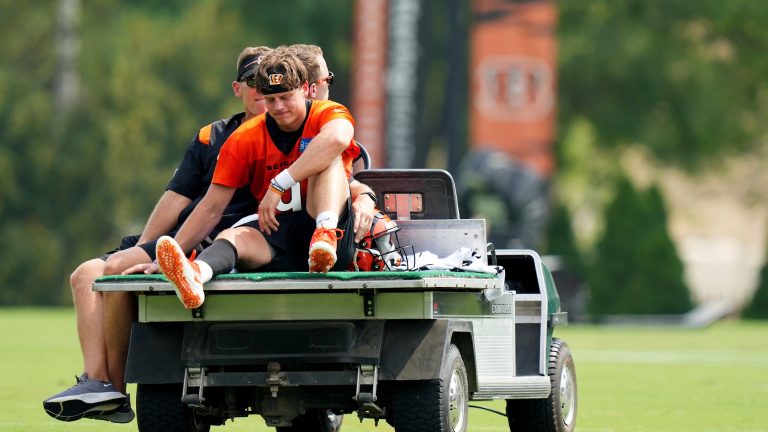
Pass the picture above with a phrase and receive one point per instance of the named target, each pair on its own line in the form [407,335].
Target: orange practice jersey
[250,157]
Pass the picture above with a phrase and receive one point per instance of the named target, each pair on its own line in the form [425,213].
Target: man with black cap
[104,322]
[297,160]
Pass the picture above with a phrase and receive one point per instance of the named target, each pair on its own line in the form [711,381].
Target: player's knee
[76,277]
[230,234]
[115,265]
[85,274]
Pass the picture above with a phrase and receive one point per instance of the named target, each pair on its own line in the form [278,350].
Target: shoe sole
[75,409]
[115,417]
[176,268]
[322,257]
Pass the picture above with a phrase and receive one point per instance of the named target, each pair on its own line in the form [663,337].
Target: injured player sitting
[297,159]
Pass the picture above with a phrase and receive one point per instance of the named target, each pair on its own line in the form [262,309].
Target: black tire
[159,409]
[556,413]
[426,406]
[313,421]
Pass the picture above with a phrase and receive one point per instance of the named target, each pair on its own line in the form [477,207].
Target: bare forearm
[205,217]
[329,144]
[356,189]
[197,227]
[165,216]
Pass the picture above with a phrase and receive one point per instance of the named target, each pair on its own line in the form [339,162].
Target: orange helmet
[380,248]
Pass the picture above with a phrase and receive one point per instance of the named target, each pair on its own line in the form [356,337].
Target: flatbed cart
[412,348]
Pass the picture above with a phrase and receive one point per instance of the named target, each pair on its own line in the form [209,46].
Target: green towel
[345,275]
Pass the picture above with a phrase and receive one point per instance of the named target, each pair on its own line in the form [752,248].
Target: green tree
[152,72]
[689,79]
[637,270]
[560,241]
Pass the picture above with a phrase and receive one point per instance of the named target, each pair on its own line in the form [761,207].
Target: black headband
[275,83]
[248,66]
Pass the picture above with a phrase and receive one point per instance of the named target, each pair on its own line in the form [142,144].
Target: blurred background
[624,140]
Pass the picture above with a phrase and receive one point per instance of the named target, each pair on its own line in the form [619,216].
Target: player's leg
[93,394]
[327,196]
[243,247]
[252,249]
[121,311]
[89,306]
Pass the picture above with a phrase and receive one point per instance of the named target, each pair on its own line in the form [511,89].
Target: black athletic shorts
[150,246]
[291,241]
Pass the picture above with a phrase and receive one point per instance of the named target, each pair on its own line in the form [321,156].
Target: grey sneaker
[88,396]
[124,415]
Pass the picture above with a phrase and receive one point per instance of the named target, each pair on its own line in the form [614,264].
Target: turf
[660,380]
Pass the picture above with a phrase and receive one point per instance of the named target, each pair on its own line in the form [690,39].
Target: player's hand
[267,211]
[363,207]
[143,268]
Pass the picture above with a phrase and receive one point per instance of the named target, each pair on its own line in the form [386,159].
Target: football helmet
[380,248]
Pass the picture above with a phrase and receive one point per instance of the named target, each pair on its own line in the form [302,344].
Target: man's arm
[363,207]
[204,217]
[334,137]
[330,143]
[165,216]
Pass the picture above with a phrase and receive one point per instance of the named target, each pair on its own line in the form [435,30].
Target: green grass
[658,380]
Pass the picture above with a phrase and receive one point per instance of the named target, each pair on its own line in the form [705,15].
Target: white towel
[464,259]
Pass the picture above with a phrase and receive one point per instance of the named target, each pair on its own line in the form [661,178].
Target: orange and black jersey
[258,151]
[195,172]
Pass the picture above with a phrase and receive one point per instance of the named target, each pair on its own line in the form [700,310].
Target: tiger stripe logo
[275,79]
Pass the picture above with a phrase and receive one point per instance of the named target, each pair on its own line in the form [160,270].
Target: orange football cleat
[183,273]
[322,249]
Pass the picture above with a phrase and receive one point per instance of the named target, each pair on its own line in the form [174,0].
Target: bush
[560,241]
[637,270]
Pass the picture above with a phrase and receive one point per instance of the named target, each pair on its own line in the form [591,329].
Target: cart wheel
[315,421]
[435,405]
[160,409]
[557,413]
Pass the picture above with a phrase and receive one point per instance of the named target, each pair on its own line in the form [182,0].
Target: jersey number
[291,201]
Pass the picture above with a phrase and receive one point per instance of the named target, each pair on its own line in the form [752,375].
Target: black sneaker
[123,415]
[88,396]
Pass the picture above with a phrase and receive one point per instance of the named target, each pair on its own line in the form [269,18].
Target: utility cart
[412,348]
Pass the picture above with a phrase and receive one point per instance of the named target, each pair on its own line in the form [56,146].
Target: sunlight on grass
[661,380]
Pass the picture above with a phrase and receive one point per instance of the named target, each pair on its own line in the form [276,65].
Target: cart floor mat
[344,275]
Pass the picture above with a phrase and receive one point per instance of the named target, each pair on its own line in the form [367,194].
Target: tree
[688,79]
[152,74]
[637,270]
[560,241]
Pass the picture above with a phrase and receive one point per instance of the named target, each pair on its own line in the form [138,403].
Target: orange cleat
[183,273]
[322,249]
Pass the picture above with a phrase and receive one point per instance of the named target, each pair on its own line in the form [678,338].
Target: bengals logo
[275,79]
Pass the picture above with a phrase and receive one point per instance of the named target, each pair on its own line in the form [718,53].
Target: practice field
[658,380]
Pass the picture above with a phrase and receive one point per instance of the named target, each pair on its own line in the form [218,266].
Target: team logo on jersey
[303,144]
[275,79]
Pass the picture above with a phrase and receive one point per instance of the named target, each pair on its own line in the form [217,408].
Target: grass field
[661,380]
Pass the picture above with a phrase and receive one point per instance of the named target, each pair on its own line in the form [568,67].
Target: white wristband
[285,180]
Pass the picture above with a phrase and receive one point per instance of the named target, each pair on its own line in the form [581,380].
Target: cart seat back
[415,194]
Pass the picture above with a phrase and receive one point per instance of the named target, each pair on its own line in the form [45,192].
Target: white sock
[327,219]
[206,272]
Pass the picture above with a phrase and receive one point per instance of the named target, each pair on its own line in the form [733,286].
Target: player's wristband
[274,187]
[282,182]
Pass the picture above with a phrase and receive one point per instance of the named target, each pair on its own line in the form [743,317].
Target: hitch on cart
[195,401]
[368,375]
[275,377]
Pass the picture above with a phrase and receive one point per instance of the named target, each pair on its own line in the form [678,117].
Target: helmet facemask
[380,249]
